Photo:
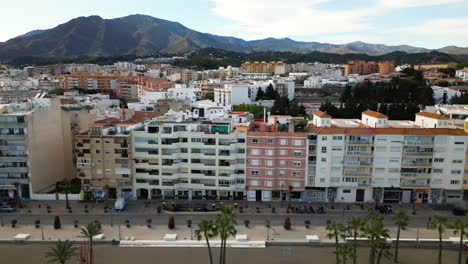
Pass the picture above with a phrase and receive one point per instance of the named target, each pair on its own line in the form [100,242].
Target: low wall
[53,196]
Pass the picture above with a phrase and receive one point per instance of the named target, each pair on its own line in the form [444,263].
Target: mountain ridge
[143,35]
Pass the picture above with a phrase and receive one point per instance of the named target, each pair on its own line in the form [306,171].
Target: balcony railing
[410,153]
[415,175]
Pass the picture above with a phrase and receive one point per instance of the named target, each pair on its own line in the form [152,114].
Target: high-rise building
[100,81]
[368,67]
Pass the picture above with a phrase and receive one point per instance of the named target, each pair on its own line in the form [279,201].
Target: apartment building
[276,164]
[33,146]
[236,93]
[368,67]
[351,160]
[178,157]
[104,155]
[275,67]
[435,65]
[127,88]
[101,81]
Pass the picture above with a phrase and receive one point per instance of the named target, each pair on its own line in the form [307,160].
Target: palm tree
[374,230]
[290,189]
[207,230]
[382,248]
[18,196]
[377,195]
[440,224]
[345,252]
[336,231]
[459,227]
[333,196]
[356,225]
[89,232]
[225,227]
[247,196]
[401,222]
[66,188]
[61,252]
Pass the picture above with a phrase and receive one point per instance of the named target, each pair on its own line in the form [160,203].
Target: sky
[422,23]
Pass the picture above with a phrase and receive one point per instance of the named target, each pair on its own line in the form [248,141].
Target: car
[6,209]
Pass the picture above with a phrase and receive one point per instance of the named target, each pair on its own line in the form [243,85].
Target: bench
[170,237]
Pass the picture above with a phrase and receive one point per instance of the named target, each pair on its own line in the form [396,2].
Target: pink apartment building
[276,161]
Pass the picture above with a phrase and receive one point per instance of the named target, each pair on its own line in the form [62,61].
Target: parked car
[119,204]
[7,209]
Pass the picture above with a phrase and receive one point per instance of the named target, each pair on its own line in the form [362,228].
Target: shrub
[13,223]
[37,223]
[189,223]
[148,222]
[57,224]
[307,223]
[246,223]
[127,223]
[75,223]
[287,223]
[171,223]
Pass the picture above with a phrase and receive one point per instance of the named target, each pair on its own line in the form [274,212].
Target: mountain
[454,50]
[144,35]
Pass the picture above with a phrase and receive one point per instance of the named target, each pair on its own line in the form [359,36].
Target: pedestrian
[429,221]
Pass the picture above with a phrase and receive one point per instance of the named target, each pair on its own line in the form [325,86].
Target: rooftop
[432,115]
[374,114]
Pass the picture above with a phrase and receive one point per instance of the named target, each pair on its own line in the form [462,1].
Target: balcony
[418,143]
[414,185]
[357,174]
[359,142]
[415,175]
[416,164]
[359,153]
[424,154]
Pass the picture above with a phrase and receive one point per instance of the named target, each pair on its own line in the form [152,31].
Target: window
[297,153]
[337,137]
[108,161]
[255,152]
[269,163]
[196,140]
[98,151]
[324,149]
[336,149]
[254,172]
[457,161]
[98,161]
[346,191]
[255,162]
[324,137]
[297,163]
[283,152]
[296,173]
[323,159]
[254,182]
[379,170]
[395,149]
[98,171]
[296,184]
[379,160]
[269,173]
[298,142]
[454,181]
[322,180]
[269,183]
[438,171]
[282,173]
[282,162]
[269,152]
[97,141]
[439,160]
[394,160]
[393,170]
[283,142]
[108,171]
[255,141]
[456,171]
[380,149]
[107,141]
[270,141]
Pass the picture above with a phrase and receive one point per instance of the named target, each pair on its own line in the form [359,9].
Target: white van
[119,204]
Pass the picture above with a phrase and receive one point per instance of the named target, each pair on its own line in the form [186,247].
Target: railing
[418,143]
[359,142]
[409,153]
[359,153]
[415,175]
[415,164]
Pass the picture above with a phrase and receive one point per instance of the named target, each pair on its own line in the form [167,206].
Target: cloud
[394,4]
[293,18]
[439,27]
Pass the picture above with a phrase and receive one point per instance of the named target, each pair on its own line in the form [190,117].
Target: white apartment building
[186,159]
[235,93]
[421,161]
[462,74]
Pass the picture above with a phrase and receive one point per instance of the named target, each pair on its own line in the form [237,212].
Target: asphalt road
[119,218]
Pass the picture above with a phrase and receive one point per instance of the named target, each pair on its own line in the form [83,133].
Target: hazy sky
[425,23]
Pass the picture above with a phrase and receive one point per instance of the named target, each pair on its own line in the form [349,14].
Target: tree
[356,225]
[336,231]
[377,195]
[382,249]
[61,252]
[66,187]
[345,253]
[18,196]
[260,94]
[290,189]
[270,93]
[171,222]
[57,224]
[89,232]
[247,188]
[374,230]
[459,227]
[440,224]
[206,229]
[287,223]
[106,194]
[401,222]
[333,196]
[225,227]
